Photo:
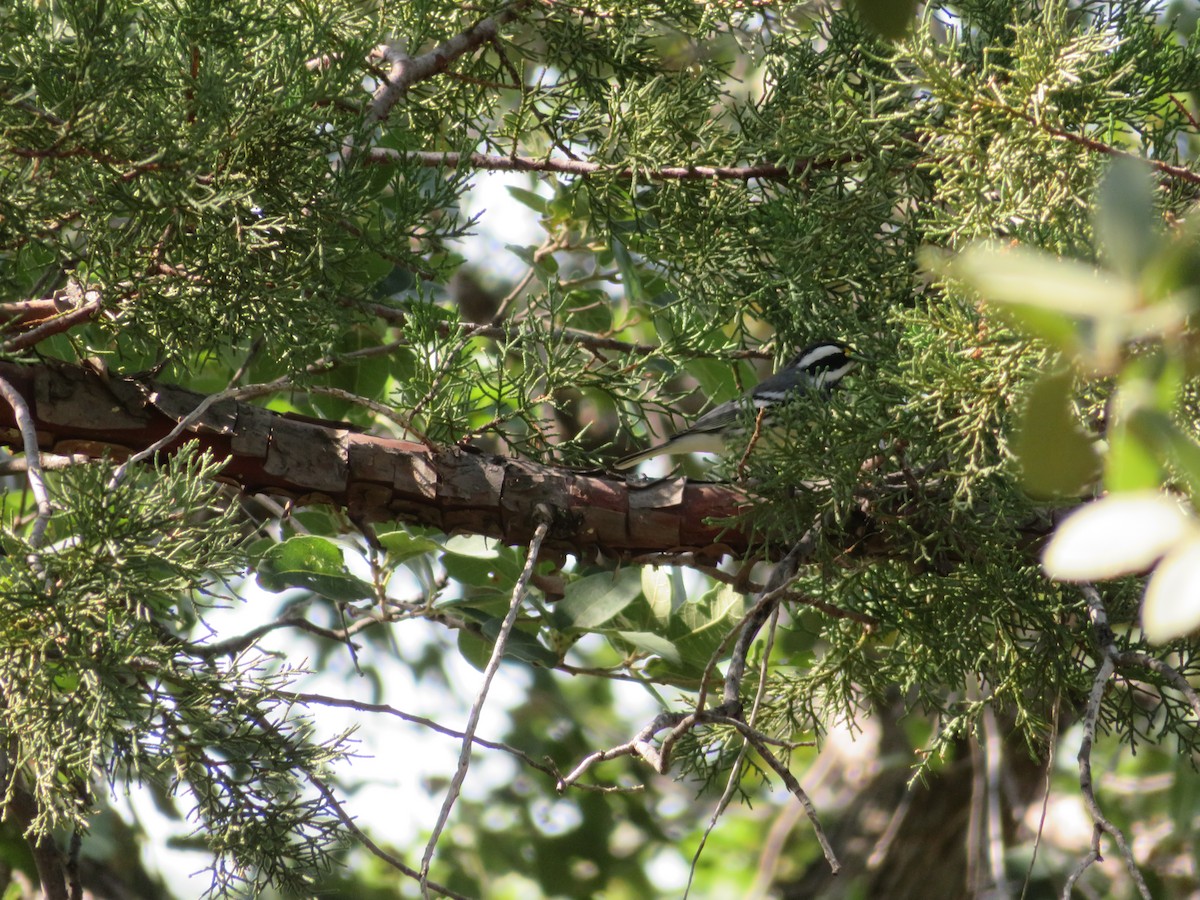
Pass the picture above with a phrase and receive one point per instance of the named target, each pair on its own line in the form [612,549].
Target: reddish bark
[377,479]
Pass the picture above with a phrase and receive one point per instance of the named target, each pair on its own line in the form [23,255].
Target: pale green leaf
[1171,607]
[593,600]
[1119,535]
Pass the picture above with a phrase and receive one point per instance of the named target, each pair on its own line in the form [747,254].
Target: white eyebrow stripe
[817,354]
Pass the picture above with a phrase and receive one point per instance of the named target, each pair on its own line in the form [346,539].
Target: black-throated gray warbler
[815,369]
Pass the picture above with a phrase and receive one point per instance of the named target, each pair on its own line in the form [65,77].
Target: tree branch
[22,807]
[579,167]
[1178,172]
[405,71]
[1108,661]
[363,706]
[76,411]
[48,316]
[464,756]
[374,848]
[33,461]
[735,771]
[1131,658]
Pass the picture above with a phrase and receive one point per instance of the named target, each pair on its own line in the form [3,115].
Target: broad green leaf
[715,377]
[698,627]
[1132,462]
[523,252]
[1057,329]
[593,600]
[656,644]
[493,601]
[472,545]
[1057,458]
[1171,607]
[477,650]
[313,563]
[520,644]
[534,201]
[1119,535]
[472,570]
[658,588]
[1025,277]
[1157,428]
[402,546]
[1126,224]
[1175,268]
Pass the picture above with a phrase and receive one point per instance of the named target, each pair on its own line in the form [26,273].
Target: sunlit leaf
[649,642]
[1171,607]
[472,545]
[1179,447]
[593,600]
[657,587]
[1132,462]
[402,546]
[312,563]
[1118,535]
[1026,277]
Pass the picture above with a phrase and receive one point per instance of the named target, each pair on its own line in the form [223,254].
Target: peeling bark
[375,479]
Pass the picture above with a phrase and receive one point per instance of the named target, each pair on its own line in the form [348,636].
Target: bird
[818,367]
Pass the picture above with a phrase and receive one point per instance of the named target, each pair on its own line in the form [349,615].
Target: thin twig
[734,779]
[1131,658]
[753,442]
[1051,743]
[374,848]
[835,612]
[1183,109]
[659,760]
[1179,172]
[405,71]
[792,785]
[33,462]
[518,80]
[464,757]
[363,706]
[1100,824]
[993,756]
[548,248]
[496,163]
[237,393]
[49,462]
[563,335]
[380,409]
[780,579]
[251,391]
[87,308]
[436,384]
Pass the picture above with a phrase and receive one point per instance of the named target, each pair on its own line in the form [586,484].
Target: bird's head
[824,363]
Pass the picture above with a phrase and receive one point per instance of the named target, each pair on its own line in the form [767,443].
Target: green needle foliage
[259,194]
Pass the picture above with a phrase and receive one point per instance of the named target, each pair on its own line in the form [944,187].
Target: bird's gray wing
[776,389]
[720,417]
